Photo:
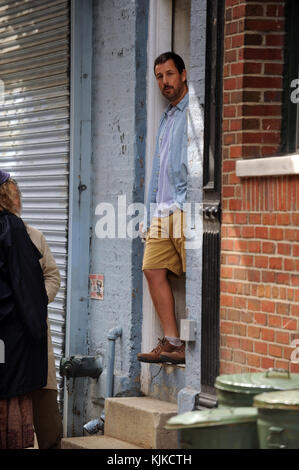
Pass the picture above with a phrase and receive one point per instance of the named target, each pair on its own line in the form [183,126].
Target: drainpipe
[98,424]
[113,334]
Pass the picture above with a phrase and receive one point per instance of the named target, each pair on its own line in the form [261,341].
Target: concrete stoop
[95,442]
[132,423]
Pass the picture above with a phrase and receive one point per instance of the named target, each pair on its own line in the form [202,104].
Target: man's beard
[175,92]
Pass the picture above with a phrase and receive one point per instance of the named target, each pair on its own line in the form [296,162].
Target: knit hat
[4,176]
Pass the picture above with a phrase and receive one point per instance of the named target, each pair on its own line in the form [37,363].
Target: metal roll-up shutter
[34,125]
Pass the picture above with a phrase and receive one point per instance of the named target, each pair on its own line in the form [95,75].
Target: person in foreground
[23,324]
[46,416]
[165,242]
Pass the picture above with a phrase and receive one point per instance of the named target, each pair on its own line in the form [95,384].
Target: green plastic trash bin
[278,419]
[217,428]
[240,389]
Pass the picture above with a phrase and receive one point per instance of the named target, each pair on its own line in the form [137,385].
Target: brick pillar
[260,236]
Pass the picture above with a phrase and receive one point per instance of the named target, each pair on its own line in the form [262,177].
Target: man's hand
[141,230]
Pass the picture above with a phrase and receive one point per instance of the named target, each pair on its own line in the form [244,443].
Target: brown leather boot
[176,356]
[155,355]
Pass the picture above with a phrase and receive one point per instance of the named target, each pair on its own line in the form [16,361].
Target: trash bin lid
[258,382]
[288,399]
[212,417]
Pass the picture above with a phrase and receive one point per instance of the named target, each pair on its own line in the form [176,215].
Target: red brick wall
[260,229]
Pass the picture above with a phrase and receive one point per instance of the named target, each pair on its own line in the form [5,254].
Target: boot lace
[160,345]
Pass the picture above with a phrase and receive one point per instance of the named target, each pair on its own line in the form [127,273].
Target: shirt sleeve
[50,270]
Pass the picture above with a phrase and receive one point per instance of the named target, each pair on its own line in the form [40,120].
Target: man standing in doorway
[165,242]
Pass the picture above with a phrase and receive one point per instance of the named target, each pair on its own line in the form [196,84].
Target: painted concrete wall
[118,139]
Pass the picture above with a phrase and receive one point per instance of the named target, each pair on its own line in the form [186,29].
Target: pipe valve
[81,366]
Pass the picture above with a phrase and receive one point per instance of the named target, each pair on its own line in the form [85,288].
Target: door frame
[159,40]
[80,198]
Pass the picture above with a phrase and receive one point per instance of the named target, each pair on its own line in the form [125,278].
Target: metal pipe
[113,334]
[96,425]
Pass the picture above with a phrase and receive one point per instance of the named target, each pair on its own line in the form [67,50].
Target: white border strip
[270,166]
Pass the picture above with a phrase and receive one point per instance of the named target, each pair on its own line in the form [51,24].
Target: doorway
[169,29]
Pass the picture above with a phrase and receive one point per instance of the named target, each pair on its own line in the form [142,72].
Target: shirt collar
[181,104]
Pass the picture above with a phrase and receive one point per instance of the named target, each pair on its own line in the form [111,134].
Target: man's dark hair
[178,61]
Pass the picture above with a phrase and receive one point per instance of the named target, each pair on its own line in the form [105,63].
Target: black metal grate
[212,196]
[210,302]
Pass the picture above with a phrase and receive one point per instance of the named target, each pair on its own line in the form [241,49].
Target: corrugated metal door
[34,124]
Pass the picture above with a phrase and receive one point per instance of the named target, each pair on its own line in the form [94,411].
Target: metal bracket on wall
[212,210]
[205,400]
[82,187]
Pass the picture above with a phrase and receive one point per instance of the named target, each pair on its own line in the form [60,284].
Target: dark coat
[23,311]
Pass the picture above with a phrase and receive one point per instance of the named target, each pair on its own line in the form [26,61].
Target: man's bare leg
[162,297]
[170,348]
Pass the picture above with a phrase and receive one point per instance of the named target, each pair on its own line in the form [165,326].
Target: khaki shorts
[165,244]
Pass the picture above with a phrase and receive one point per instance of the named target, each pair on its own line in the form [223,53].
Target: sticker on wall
[96,286]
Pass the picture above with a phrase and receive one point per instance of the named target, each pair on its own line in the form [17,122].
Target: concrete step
[140,421]
[95,442]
